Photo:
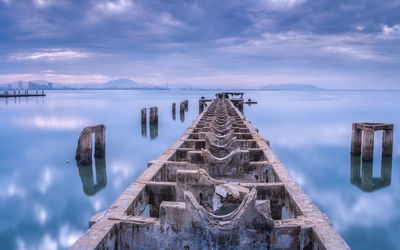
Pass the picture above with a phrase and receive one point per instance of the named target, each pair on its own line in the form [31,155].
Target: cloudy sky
[235,43]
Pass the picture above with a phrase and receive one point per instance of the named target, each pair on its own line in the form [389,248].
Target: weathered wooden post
[85,144]
[144,116]
[153,116]
[356,140]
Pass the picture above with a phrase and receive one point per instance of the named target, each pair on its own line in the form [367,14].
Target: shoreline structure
[218,186]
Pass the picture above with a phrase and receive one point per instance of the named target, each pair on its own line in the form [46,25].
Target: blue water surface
[46,200]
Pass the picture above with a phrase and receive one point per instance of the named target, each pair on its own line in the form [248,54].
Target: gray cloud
[156,41]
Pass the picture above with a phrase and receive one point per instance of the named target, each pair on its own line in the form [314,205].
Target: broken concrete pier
[363,135]
[219,186]
[85,144]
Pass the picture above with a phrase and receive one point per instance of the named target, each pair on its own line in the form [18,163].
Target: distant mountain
[122,84]
[290,86]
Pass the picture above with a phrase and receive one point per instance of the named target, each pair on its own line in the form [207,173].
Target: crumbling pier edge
[123,226]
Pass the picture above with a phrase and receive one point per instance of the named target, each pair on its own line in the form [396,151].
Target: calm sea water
[46,200]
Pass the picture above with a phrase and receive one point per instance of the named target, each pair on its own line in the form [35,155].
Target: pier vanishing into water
[18,93]
[219,186]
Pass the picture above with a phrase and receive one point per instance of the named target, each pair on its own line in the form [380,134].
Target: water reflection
[86,173]
[144,129]
[153,130]
[182,115]
[364,180]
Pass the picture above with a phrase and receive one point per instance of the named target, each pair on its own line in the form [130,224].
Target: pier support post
[85,144]
[368,144]
[356,140]
[153,116]
[100,141]
[84,149]
[366,131]
[173,111]
[201,106]
[173,107]
[143,116]
[387,142]
[184,106]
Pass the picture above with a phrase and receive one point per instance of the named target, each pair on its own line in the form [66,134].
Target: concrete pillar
[85,144]
[387,142]
[182,107]
[201,106]
[144,116]
[84,149]
[100,141]
[153,116]
[356,140]
[368,144]
[173,111]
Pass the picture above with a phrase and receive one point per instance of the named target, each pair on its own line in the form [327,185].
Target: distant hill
[292,87]
[118,84]
[122,84]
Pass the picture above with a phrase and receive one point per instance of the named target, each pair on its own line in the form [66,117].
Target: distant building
[50,85]
[9,86]
[33,85]
[20,85]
